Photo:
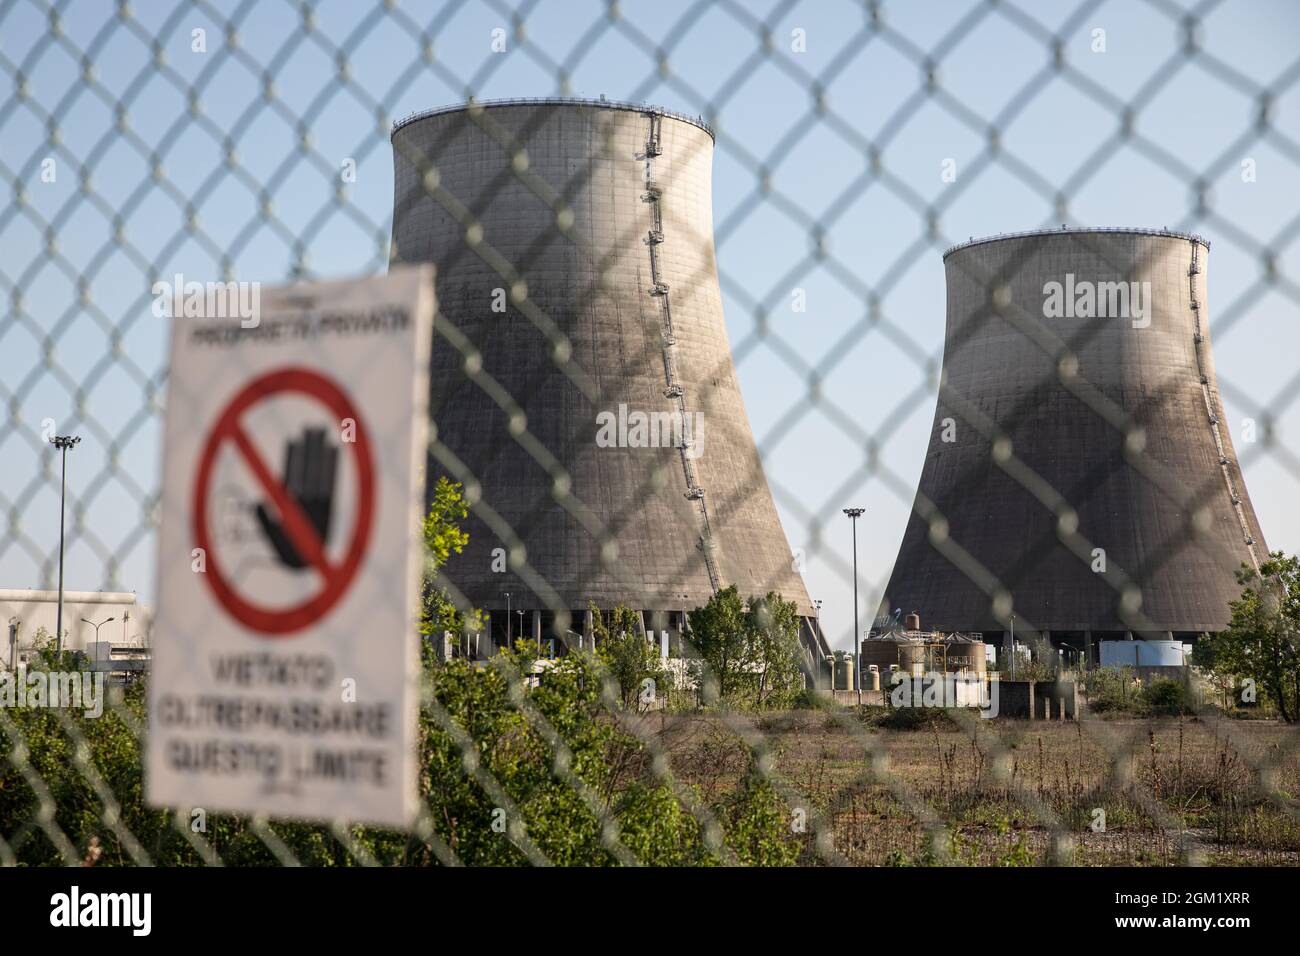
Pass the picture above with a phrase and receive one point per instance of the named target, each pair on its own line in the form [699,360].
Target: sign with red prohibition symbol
[302,502]
[285,645]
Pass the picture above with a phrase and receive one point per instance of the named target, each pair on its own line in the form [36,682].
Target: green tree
[1221,683]
[719,639]
[1260,641]
[750,650]
[774,626]
[443,536]
[628,654]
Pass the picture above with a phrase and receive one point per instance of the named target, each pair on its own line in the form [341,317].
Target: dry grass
[1012,792]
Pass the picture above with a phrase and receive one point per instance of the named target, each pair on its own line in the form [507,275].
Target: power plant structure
[1080,483]
[918,652]
[582,381]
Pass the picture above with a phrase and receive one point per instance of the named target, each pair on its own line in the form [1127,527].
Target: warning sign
[303,500]
[285,660]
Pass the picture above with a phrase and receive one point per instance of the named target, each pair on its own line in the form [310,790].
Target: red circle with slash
[281,622]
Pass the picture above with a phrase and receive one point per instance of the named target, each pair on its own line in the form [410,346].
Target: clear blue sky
[84,295]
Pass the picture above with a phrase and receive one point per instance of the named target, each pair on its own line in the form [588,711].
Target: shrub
[759,824]
[907,718]
[1167,697]
[1112,690]
[611,766]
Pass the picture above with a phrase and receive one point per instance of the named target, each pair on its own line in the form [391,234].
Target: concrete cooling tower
[1080,474]
[582,379]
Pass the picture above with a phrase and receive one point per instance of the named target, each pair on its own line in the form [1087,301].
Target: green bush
[1116,691]
[1111,690]
[907,718]
[759,829]
[611,767]
[1168,697]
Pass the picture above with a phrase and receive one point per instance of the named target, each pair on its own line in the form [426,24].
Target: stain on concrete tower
[1080,474]
[583,387]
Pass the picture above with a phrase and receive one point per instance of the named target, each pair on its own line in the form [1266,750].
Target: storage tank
[913,658]
[967,656]
[1078,418]
[1142,654]
[879,651]
[844,672]
[583,387]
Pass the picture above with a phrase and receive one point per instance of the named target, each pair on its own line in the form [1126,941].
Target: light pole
[63,443]
[1013,647]
[508,624]
[96,627]
[817,612]
[855,514]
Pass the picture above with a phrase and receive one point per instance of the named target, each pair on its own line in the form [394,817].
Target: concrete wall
[1016,698]
[32,610]
[849,698]
[592,287]
[1039,700]
[1003,376]
[1057,701]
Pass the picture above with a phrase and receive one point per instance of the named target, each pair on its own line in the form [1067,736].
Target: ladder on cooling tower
[673,389]
[652,145]
[1212,415]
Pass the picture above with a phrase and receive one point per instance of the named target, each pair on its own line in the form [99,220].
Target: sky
[834,130]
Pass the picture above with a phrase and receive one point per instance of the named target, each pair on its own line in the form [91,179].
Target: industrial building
[582,382]
[1080,482]
[94,622]
[918,652]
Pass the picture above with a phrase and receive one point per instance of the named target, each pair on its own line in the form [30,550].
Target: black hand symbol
[309,466]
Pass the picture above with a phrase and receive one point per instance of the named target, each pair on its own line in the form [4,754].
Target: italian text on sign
[285,661]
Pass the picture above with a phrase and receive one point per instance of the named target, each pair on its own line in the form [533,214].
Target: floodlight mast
[63,443]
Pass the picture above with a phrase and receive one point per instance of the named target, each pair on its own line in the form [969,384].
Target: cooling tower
[1079,475]
[582,378]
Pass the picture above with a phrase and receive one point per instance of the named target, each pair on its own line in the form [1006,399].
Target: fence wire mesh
[242,141]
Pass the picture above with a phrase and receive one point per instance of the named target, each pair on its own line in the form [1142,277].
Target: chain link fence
[230,140]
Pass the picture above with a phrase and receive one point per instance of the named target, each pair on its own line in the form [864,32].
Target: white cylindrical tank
[1142,654]
[845,666]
